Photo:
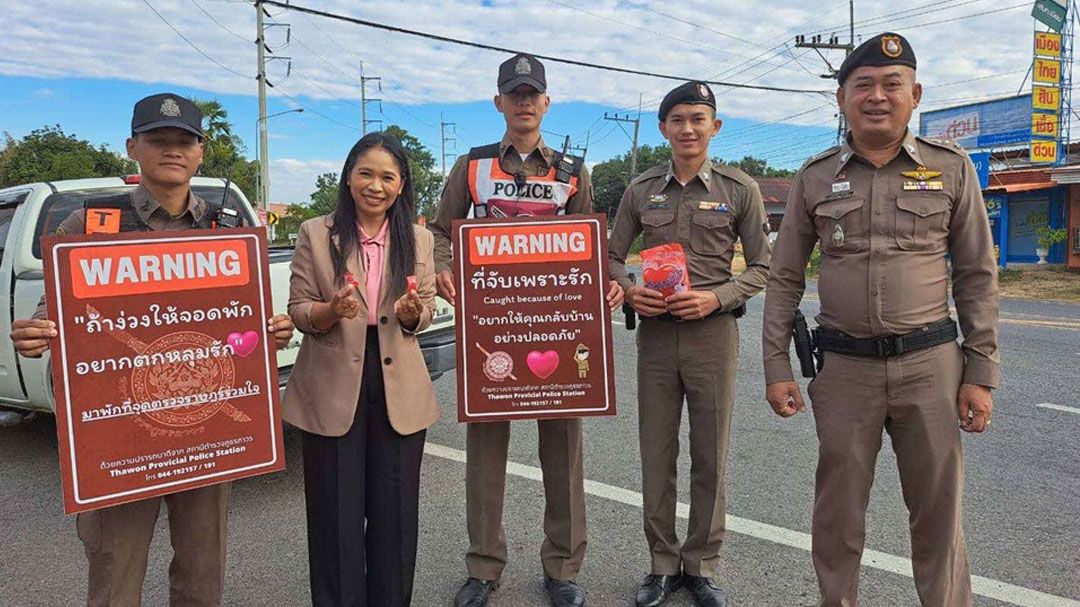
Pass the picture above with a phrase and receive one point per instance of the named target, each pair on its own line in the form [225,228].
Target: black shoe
[564,593]
[706,592]
[475,592]
[655,589]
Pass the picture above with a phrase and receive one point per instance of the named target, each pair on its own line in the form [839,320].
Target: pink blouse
[371,252]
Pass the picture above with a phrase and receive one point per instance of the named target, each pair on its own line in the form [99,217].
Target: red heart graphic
[243,344]
[543,364]
[662,277]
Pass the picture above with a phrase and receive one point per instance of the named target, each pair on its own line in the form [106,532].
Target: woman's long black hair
[402,260]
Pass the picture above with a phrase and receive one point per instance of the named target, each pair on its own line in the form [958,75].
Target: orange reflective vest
[496,193]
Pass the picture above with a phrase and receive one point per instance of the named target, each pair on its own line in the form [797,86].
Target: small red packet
[410,283]
[663,269]
[351,280]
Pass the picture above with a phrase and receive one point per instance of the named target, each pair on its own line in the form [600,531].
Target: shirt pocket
[658,227]
[839,226]
[711,233]
[921,219]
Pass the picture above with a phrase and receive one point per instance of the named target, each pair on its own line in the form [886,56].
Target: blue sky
[82,64]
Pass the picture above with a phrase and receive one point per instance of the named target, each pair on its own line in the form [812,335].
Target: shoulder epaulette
[946,144]
[484,151]
[734,173]
[820,156]
[657,171]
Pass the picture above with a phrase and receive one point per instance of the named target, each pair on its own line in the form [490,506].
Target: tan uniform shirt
[148,210]
[884,237]
[705,216]
[456,200]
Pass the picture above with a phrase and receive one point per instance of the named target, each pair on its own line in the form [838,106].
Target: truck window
[8,204]
[61,204]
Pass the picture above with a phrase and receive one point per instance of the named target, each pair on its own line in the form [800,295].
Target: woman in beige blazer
[360,391]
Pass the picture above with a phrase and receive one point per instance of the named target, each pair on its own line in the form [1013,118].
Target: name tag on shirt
[919,186]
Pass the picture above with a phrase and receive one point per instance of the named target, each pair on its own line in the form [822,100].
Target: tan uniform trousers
[117,542]
[487,447]
[913,398]
[696,360]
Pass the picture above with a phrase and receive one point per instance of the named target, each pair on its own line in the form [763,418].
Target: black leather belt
[669,317]
[940,332]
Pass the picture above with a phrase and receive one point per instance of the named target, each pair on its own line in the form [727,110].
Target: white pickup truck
[28,211]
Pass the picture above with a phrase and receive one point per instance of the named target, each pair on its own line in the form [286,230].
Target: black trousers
[362,492]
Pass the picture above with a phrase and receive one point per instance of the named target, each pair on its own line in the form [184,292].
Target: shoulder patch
[820,156]
[652,173]
[733,173]
[946,144]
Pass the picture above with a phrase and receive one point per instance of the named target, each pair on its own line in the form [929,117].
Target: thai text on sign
[1043,151]
[533,326]
[1046,98]
[1048,44]
[1047,71]
[163,374]
[1044,125]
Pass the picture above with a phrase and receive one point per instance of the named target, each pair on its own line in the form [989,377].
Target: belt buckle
[889,346]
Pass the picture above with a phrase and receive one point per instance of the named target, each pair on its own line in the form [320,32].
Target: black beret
[694,93]
[166,110]
[884,49]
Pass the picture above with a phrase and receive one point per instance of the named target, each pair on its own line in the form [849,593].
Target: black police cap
[166,110]
[521,69]
[694,93]
[884,49]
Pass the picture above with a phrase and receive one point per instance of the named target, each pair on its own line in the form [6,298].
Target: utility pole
[364,99]
[637,124]
[264,164]
[444,139]
[817,43]
[582,150]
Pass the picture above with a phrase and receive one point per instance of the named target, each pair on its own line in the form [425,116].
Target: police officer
[688,343]
[518,176]
[167,142]
[886,208]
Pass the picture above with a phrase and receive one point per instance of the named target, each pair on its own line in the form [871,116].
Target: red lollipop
[410,283]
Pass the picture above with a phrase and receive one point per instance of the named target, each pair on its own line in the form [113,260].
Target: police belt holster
[669,317]
[940,332]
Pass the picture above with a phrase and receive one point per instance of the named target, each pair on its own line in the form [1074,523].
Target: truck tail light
[132,179]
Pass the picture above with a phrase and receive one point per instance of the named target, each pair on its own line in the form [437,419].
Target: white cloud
[124,39]
[293,181]
[43,93]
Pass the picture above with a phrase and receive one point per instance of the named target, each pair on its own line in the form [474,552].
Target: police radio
[227,215]
[565,169]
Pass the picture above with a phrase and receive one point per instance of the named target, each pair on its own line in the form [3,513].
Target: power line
[192,44]
[220,24]
[401,30]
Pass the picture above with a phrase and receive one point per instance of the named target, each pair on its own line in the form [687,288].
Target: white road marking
[990,588]
[1073,410]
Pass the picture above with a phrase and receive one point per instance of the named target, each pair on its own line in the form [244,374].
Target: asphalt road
[1021,502]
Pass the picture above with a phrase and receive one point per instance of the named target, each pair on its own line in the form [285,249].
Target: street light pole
[260,129]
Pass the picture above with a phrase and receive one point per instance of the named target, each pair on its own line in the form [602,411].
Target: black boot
[564,593]
[706,592]
[655,589]
[475,592]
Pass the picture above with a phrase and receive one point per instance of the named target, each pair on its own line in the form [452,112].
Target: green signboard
[1050,12]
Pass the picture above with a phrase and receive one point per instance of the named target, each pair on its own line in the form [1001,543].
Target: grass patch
[1051,283]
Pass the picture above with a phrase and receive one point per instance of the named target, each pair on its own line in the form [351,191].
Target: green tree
[49,154]
[758,167]
[427,181]
[224,154]
[611,177]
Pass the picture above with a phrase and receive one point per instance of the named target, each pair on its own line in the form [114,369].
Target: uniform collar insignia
[921,174]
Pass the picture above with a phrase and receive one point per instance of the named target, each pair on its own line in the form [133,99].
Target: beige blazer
[323,390]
